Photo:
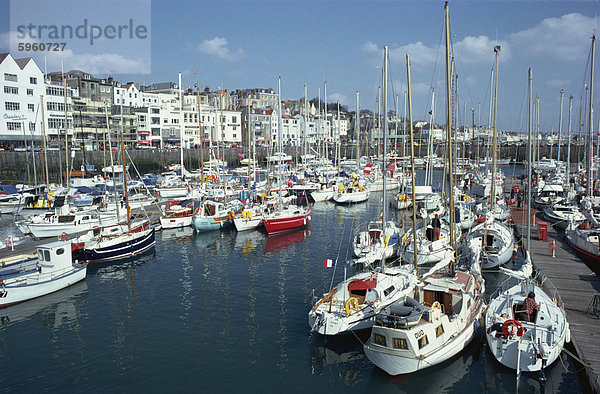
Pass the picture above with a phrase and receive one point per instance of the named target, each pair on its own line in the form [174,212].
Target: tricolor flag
[327,263]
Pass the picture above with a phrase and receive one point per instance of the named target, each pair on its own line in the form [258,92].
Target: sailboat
[417,333]
[288,217]
[353,303]
[380,238]
[113,245]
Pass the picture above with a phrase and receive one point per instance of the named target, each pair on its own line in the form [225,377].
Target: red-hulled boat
[287,218]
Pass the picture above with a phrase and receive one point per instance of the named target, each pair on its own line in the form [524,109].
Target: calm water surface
[223,311]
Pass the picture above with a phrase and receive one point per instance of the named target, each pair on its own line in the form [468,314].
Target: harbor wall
[13,165]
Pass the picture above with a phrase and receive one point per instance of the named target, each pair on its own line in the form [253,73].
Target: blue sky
[244,44]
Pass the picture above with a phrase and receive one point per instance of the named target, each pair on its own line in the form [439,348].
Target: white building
[23,87]
[128,95]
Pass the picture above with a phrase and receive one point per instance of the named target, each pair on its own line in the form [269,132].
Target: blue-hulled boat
[119,246]
[213,216]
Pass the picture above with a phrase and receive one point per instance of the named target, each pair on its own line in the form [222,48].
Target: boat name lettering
[419,334]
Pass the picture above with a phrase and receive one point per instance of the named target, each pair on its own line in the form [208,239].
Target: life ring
[352,301]
[63,236]
[508,328]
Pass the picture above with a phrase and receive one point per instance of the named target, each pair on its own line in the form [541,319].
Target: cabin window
[469,304]
[60,251]
[423,341]
[47,255]
[387,291]
[380,340]
[40,255]
[439,330]
[400,343]
[85,218]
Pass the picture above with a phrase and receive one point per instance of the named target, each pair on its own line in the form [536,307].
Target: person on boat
[437,227]
[530,306]
[515,253]
[457,215]
[519,199]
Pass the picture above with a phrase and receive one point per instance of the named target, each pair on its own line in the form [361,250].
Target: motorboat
[53,269]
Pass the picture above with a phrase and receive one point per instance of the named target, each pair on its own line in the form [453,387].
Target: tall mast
[449,128]
[125,174]
[201,134]
[569,141]
[590,184]
[66,132]
[385,129]
[112,164]
[180,130]
[45,167]
[305,148]
[489,125]
[357,132]
[412,164]
[529,155]
[493,196]
[279,135]
[562,93]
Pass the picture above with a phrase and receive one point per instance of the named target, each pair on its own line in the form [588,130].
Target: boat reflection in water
[341,356]
[56,309]
[279,242]
[250,241]
[178,233]
[119,268]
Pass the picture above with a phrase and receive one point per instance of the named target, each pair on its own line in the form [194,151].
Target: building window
[55,91]
[11,90]
[33,80]
[15,126]
[10,106]
[235,136]
[400,343]
[380,340]
[31,107]
[30,92]
[31,126]
[10,77]
[234,119]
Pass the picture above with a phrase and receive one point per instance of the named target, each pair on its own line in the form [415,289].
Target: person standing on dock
[519,199]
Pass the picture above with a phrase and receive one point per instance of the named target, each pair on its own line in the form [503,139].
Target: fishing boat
[353,303]
[53,269]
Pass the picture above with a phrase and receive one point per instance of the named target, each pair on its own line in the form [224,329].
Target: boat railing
[549,287]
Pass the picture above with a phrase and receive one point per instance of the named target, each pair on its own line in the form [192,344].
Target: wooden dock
[576,283]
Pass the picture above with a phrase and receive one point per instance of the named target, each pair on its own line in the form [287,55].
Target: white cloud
[480,49]
[564,38]
[93,63]
[338,97]
[217,47]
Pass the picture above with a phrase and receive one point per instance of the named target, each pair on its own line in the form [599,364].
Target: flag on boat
[367,169]
[327,263]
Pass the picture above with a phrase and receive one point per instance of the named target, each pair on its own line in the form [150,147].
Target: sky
[247,44]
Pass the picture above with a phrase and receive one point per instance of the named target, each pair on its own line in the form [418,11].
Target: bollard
[552,248]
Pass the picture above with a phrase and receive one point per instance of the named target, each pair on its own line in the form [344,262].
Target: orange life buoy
[63,236]
[508,330]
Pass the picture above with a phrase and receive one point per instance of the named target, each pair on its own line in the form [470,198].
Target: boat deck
[577,286]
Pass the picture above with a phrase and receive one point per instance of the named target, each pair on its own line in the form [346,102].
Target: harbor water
[226,311]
